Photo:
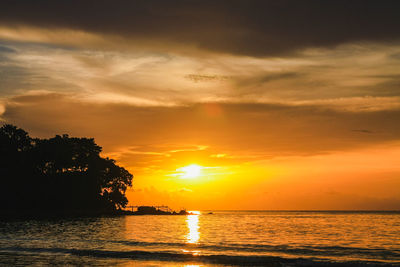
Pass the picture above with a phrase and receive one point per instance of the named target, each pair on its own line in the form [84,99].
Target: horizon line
[302,210]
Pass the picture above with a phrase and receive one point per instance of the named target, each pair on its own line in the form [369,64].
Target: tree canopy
[62,174]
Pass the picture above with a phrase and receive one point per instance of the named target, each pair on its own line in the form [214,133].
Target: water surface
[222,238]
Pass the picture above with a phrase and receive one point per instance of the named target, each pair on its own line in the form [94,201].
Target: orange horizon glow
[320,182]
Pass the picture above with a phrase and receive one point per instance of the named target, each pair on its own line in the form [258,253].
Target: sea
[206,238]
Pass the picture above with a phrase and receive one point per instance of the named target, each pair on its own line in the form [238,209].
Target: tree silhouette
[62,174]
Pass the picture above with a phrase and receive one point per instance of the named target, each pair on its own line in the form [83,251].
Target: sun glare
[193,225]
[190,171]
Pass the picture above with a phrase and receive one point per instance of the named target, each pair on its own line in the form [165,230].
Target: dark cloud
[12,78]
[362,131]
[256,28]
[4,52]
[391,87]
[206,77]
[258,81]
[16,78]
[386,86]
[5,49]
[395,56]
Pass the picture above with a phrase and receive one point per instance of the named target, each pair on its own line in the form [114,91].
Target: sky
[281,105]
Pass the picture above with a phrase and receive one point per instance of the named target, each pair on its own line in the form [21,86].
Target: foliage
[62,174]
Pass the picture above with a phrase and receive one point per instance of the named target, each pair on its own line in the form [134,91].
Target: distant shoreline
[12,215]
[23,214]
[321,211]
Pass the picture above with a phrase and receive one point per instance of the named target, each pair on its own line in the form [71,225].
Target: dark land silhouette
[58,176]
[150,210]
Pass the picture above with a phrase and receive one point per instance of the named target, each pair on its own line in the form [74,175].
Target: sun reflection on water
[193,226]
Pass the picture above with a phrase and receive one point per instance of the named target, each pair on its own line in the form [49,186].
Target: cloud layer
[256,28]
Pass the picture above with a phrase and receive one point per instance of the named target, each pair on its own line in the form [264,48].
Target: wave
[336,252]
[304,250]
[252,260]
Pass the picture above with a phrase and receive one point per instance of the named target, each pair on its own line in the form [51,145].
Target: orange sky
[275,117]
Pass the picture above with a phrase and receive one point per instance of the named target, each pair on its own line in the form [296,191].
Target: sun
[190,171]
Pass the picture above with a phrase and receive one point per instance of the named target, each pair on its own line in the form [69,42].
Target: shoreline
[38,215]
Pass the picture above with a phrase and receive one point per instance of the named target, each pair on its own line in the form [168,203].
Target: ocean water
[224,238]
